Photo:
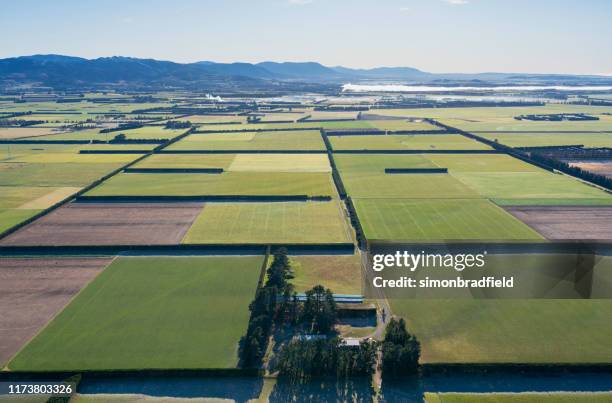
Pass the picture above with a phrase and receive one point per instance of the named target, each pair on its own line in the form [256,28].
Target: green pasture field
[405,186]
[58,118]
[481,163]
[150,312]
[280,163]
[323,115]
[18,203]
[281,140]
[61,153]
[511,124]
[11,217]
[87,134]
[150,132]
[438,220]
[525,397]
[186,161]
[285,117]
[241,162]
[364,176]
[550,139]
[391,125]
[12,133]
[54,174]
[529,185]
[401,125]
[340,273]
[204,119]
[376,163]
[225,184]
[278,222]
[509,331]
[406,142]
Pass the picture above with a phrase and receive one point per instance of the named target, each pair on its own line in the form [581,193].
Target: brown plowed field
[598,167]
[567,222]
[109,224]
[34,290]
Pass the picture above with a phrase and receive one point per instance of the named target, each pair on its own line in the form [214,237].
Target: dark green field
[150,312]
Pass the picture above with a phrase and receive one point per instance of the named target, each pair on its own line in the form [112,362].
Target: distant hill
[67,71]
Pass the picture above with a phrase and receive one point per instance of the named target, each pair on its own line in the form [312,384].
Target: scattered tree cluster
[124,126]
[400,350]
[175,124]
[305,358]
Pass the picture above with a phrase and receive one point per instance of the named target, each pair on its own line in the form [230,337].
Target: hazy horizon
[438,36]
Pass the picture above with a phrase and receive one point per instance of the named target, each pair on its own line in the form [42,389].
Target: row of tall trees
[264,310]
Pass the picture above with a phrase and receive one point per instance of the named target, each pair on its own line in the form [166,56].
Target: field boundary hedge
[203,198]
[416,170]
[241,152]
[223,249]
[338,133]
[174,170]
[417,151]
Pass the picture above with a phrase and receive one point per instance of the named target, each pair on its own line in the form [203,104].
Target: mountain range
[58,70]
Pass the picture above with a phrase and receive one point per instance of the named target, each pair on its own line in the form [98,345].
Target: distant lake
[430,88]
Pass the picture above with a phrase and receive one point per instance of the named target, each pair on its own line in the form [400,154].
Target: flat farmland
[483,113]
[438,220]
[277,140]
[364,176]
[550,139]
[536,186]
[332,115]
[54,174]
[567,222]
[186,161]
[205,119]
[109,224]
[36,289]
[280,163]
[281,117]
[376,163]
[151,312]
[279,222]
[509,331]
[481,163]
[150,132]
[225,184]
[513,125]
[11,133]
[18,203]
[406,142]
[401,125]
[340,273]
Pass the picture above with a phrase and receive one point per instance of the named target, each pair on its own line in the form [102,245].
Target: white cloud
[127,20]
[457,2]
[404,9]
[299,2]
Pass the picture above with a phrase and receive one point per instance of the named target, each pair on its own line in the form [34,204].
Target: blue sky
[538,36]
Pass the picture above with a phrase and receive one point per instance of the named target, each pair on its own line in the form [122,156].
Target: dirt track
[567,222]
[33,291]
[109,224]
